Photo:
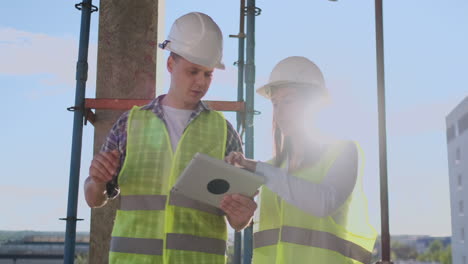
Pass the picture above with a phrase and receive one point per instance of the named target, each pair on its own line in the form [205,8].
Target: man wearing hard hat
[149,147]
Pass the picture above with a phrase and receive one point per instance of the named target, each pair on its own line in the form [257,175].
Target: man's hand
[103,168]
[238,159]
[239,210]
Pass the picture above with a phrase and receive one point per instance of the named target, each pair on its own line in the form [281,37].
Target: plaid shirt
[117,138]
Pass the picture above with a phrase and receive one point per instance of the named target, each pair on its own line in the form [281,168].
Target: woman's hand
[238,159]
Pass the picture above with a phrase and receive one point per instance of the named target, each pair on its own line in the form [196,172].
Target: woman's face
[289,109]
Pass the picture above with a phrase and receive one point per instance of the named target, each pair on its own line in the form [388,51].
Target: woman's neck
[303,151]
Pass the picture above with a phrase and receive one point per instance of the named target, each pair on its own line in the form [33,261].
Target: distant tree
[446,256]
[436,246]
[436,252]
[403,252]
[81,259]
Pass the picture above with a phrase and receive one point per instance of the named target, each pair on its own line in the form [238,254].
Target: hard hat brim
[267,89]
[219,65]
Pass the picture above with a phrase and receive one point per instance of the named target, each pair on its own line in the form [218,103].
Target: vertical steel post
[240,116]
[385,234]
[240,61]
[81,77]
[249,120]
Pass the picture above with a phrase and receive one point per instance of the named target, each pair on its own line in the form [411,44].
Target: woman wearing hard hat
[312,207]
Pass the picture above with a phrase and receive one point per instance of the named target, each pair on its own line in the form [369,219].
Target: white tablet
[207,180]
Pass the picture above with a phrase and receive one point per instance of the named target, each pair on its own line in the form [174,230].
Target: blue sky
[426,60]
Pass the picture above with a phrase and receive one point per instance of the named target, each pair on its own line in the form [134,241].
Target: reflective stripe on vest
[196,243]
[158,202]
[142,202]
[312,238]
[145,246]
[183,201]
[174,241]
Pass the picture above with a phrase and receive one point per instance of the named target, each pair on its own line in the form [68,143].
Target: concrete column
[126,68]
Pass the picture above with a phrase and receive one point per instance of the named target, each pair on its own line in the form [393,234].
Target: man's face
[189,81]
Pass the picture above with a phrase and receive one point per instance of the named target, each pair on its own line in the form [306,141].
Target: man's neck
[172,101]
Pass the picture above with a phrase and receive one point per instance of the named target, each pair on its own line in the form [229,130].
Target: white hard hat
[297,72]
[198,39]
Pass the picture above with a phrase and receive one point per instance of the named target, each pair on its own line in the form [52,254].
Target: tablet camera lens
[218,186]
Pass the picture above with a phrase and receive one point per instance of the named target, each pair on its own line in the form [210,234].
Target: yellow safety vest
[285,234]
[151,225]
